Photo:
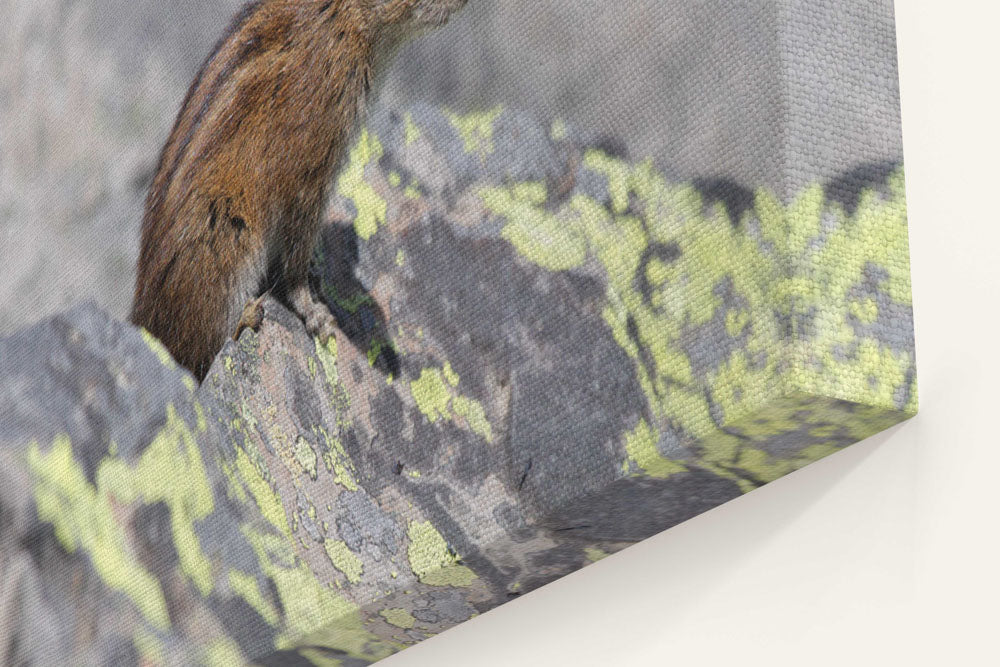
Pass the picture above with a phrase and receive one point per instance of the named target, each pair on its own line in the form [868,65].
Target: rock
[545,353]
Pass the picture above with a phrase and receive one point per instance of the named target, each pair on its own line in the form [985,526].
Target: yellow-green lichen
[866,311]
[327,355]
[247,414]
[319,658]
[476,130]
[306,457]
[222,652]
[344,559]
[158,349]
[554,241]
[311,613]
[337,461]
[245,586]
[431,394]
[431,560]
[738,453]
[376,347]
[449,374]
[640,446]
[170,471]
[474,414]
[559,130]
[435,392]
[399,617]
[371,208]
[618,172]
[149,647]
[679,270]
[594,554]
[351,303]
[411,133]
[83,518]
[264,496]
[310,609]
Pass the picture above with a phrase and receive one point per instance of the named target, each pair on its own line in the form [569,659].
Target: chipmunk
[235,207]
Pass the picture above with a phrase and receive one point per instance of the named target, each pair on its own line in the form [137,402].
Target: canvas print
[331,324]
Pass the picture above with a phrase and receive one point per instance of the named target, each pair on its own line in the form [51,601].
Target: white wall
[884,554]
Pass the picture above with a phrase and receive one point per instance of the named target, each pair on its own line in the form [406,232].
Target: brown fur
[240,189]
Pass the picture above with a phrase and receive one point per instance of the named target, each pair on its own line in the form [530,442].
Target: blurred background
[737,94]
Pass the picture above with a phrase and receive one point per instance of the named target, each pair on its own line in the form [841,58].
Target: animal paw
[252,316]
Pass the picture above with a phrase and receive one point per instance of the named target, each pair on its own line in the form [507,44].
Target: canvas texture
[562,329]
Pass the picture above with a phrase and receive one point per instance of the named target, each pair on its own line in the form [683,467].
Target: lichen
[449,374]
[594,554]
[245,586]
[476,130]
[437,397]
[431,394]
[246,475]
[149,647]
[432,561]
[553,241]
[640,446]
[337,460]
[701,304]
[306,457]
[312,612]
[344,559]
[399,617]
[371,207]
[222,652]
[171,472]
[158,348]
[411,133]
[559,130]
[82,517]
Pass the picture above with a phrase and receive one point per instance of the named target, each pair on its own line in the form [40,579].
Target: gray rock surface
[500,405]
